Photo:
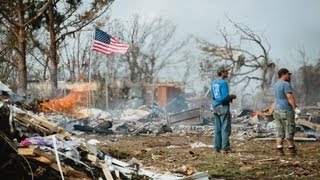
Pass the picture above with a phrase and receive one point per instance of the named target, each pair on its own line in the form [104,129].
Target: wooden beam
[40,159]
[93,159]
[39,122]
[41,153]
[308,124]
[70,172]
[27,151]
[192,114]
[106,171]
[295,139]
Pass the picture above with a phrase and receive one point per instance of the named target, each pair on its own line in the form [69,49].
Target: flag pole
[106,44]
[89,80]
[107,90]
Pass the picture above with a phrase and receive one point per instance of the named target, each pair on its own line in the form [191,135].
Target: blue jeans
[222,130]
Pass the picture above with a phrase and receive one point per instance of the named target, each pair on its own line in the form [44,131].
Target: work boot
[228,151]
[292,151]
[224,152]
[280,151]
[216,152]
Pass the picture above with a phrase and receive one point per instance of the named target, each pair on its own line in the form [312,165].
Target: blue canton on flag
[106,44]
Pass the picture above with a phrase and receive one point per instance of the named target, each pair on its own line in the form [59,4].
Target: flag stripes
[106,44]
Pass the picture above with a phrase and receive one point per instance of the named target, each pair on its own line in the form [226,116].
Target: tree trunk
[264,84]
[53,54]
[22,66]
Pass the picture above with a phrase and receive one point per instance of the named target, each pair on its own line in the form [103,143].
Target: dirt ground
[252,159]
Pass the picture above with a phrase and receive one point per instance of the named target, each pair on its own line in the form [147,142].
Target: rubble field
[187,153]
[51,139]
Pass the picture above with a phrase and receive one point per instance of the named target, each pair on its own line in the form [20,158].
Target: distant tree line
[36,29]
[49,40]
[247,55]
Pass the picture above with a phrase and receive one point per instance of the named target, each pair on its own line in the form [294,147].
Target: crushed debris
[39,139]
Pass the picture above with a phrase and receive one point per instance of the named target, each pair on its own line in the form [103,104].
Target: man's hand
[232,97]
[296,112]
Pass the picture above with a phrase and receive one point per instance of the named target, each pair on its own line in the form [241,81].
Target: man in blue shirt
[285,108]
[221,100]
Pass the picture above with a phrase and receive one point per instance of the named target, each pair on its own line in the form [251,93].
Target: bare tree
[17,17]
[245,52]
[6,56]
[152,46]
[307,84]
[76,58]
[62,23]
[39,62]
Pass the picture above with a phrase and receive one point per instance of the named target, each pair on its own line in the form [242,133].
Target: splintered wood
[38,123]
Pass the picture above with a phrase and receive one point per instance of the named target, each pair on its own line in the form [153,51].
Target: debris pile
[34,147]
[260,125]
[44,144]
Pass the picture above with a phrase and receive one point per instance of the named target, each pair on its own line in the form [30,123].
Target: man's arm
[271,107]
[227,98]
[291,100]
[225,93]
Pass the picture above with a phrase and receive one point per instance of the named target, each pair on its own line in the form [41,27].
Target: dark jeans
[222,130]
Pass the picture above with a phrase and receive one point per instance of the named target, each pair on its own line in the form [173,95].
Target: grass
[252,159]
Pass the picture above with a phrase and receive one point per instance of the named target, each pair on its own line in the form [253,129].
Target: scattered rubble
[42,145]
[39,139]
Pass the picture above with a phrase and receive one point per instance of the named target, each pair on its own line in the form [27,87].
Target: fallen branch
[295,139]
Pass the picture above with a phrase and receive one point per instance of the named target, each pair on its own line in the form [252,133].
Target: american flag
[106,44]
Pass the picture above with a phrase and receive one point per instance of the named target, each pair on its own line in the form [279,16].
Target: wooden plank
[40,159]
[308,124]
[63,135]
[41,153]
[92,158]
[56,167]
[69,171]
[196,176]
[45,123]
[32,123]
[29,151]
[41,123]
[294,138]
[193,114]
[106,171]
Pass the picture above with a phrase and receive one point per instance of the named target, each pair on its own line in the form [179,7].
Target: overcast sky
[288,25]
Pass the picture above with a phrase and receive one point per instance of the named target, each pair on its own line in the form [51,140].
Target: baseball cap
[283,71]
[222,68]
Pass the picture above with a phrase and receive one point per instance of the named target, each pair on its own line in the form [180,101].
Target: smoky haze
[288,25]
